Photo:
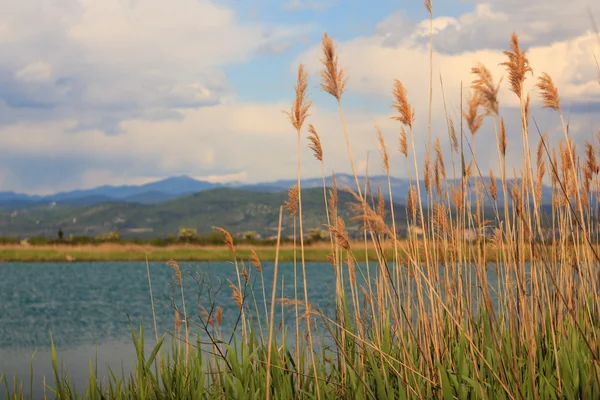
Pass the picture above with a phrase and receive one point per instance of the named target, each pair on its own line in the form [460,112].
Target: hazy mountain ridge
[175,187]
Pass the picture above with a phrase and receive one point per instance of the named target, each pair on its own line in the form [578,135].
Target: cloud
[34,72]
[132,91]
[314,5]
[105,62]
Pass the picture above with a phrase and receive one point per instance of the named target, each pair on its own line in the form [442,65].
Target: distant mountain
[234,209]
[175,187]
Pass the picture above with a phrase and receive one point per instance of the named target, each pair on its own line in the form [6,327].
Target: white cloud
[35,72]
[152,72]
[315,5]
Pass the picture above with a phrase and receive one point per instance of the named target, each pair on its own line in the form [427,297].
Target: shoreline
[319,252]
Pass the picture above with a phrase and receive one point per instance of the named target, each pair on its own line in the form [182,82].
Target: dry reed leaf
[333,80]
[178,278]
[403,142]
[405,111]
[548,92]
[315,142]
[517,65]
[299,111]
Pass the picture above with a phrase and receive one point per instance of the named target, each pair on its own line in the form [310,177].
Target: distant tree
[187,234]
[109,237]
[61,234]
[250,235]
[317,234]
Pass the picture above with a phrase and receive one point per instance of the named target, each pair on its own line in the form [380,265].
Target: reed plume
[255,261]
[177,276]
[228,240]
[502,138]
[548,92]
[517,66]
[385,158]
[493,187]
[299,110]
[453,138]
[472,116]
[333,79]
[292,203]
[219,316]
[236,295]
[484,85]
[315,142]
[401,104]
[402,142]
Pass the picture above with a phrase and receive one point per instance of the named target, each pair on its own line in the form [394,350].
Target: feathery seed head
[254,260]
[493,187]
[228,240]
[219,316]
[383,150]
[472,115]
[405,111]
[299,111]
[315,142]
[517,65]
[237,295]
[403,142]
[548,92]
[429,7]
[177,321]
[484,85]
[502,138]
[333,80]
[292,203]
[177,276]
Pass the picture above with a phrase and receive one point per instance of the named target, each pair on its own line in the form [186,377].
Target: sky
[131,91]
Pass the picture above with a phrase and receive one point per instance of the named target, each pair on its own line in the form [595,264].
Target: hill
[237,210]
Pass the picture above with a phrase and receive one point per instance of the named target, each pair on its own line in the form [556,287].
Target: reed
[414,317]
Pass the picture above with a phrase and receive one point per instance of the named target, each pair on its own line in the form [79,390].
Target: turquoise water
[88,307]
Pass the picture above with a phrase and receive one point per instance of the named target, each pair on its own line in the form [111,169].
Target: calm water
[88,307]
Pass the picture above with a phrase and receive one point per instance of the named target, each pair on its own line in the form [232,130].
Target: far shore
[188,252]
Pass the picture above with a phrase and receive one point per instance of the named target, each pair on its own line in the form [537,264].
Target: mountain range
[178,186]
